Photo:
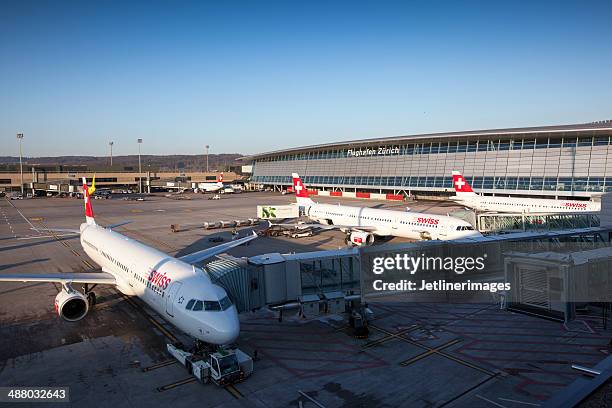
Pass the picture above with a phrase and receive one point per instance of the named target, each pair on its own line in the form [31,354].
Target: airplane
[208,187]
[174,287]
[467,197]
[362,224]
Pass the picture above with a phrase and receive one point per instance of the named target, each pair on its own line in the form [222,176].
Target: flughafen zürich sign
[377,151]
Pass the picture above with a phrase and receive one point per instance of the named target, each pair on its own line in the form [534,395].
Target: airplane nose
[228,332]
[225,329]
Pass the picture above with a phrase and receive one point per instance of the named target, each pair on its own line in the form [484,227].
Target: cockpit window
[465,228]
[225,303]
[212,306]
[209,305]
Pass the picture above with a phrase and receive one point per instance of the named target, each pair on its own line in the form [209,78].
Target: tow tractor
[220,365]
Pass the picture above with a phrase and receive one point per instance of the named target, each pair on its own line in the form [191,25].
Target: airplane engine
[71,305]
[360,238]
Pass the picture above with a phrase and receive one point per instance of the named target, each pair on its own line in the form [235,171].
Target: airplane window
[198,306]
[225,303]
[212,306]
[190,304]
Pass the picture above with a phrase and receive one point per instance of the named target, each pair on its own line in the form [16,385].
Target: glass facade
[545,164]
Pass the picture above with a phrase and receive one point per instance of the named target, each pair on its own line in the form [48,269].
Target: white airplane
[174,287]
[362,224]
[467,197]
[208,187]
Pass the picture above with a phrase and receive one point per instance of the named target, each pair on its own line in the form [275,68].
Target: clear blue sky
[256,76]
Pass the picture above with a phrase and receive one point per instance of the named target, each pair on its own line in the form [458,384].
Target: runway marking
[234,391]
[390,337]
[176,384]
[489,401]
[519,402]
[88,264]
[441,353]
[22,216]
[434,350]
[47,236]
[159,365]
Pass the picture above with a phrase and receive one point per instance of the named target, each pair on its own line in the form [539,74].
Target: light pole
[207,147]
[139,168]
[20,138]
[111,152]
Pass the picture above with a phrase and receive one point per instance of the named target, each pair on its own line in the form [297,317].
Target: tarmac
[417,355]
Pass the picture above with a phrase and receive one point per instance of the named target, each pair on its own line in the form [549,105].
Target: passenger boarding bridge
[316,280]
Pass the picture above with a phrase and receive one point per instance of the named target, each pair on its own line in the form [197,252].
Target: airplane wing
[199,256]
[65,230]
[118,224]
[102,278]
[345,228]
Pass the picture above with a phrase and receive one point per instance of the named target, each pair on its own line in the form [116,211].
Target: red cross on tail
[461,185]
[301,193]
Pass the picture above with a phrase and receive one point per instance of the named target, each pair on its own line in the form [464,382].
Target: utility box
[552,284]
[310,305]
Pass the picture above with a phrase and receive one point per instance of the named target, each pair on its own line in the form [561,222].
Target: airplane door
[174,288]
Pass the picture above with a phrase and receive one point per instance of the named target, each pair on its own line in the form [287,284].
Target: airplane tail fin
[87,193]
[462,188]
[301,194]
[220,177]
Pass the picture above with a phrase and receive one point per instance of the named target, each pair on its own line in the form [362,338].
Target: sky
[248,77]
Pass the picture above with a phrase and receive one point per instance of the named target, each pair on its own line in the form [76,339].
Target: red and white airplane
[209,187]
[467,197]
[362,224]
[174,287]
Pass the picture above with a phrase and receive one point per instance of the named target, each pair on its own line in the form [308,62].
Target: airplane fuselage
[406,224]
[164,283]
[210,187]
[526,205]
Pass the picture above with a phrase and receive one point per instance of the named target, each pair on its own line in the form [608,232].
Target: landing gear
[91,296]
[200,347]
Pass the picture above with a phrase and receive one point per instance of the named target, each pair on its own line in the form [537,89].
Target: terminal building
[551,161]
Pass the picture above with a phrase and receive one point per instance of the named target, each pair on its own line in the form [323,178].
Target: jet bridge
[489,222]
[315,281]
[274,279]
